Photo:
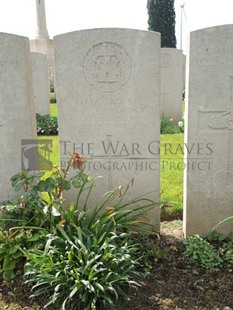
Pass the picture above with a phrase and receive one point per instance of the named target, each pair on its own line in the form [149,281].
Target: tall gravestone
[17,113]
[107,87]
[172,83]
[208,189]
[41,83]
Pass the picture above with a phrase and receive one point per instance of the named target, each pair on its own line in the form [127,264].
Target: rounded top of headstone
[171,50]
[109,29]
[12,35]
[214,28]
[107,55]
[40,53]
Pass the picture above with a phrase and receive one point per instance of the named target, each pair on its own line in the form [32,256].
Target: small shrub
[226,248]
[81,257]
[53,98]
[12,241]
[46,125]
[83,272]
[226,252]
[90,258]
[52,88]
[149,250]
[166,126]
[201,253]
[23,223]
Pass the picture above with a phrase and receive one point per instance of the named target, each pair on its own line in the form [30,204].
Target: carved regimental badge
[107,67]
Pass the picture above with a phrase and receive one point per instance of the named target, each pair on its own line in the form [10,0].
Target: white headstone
[45,46]
[172,83]
[208,190]
[41,83]
[107,87]
[17,113]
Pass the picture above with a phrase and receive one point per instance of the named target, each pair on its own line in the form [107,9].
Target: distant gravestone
[107,87]
[208,191]
[41,83]
[172,83]
[17,114]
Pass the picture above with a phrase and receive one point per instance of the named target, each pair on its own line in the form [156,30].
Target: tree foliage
[162,19]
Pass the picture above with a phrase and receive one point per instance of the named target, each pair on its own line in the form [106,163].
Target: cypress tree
[162,19]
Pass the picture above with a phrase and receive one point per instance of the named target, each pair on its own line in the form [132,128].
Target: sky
[19,16]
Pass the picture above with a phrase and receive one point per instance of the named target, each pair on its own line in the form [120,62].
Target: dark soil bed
[173,284]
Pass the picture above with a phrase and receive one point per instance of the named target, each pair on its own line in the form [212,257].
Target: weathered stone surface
[17,113]
[41,83]
[107,87]
[45,46]
[208,189]
[172,83]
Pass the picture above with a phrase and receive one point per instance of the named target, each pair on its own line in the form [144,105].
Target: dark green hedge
[46,125]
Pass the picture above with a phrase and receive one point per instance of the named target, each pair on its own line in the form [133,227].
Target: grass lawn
[53,109]
[171,167]
[171,170]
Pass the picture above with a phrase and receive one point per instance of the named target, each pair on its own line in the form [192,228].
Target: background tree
[162,19]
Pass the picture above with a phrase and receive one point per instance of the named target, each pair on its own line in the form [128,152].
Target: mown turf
[53,109]
[171,170]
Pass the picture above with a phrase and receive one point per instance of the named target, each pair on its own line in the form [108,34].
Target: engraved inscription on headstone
[108,97]
[166,60]
[222,120]
[208,195]
[107,67]
[17,114]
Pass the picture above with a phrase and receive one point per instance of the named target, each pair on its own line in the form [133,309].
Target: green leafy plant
[227,251]
[85,256]
[53,97]
[91,256]
[51,88]
[84,272]
[228,220]
[11,242]
[103,231]
[25,220]
[224,244]
[166,126]
[149,249]
[46,125]
[26,208]
[201,253]
[214,236]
